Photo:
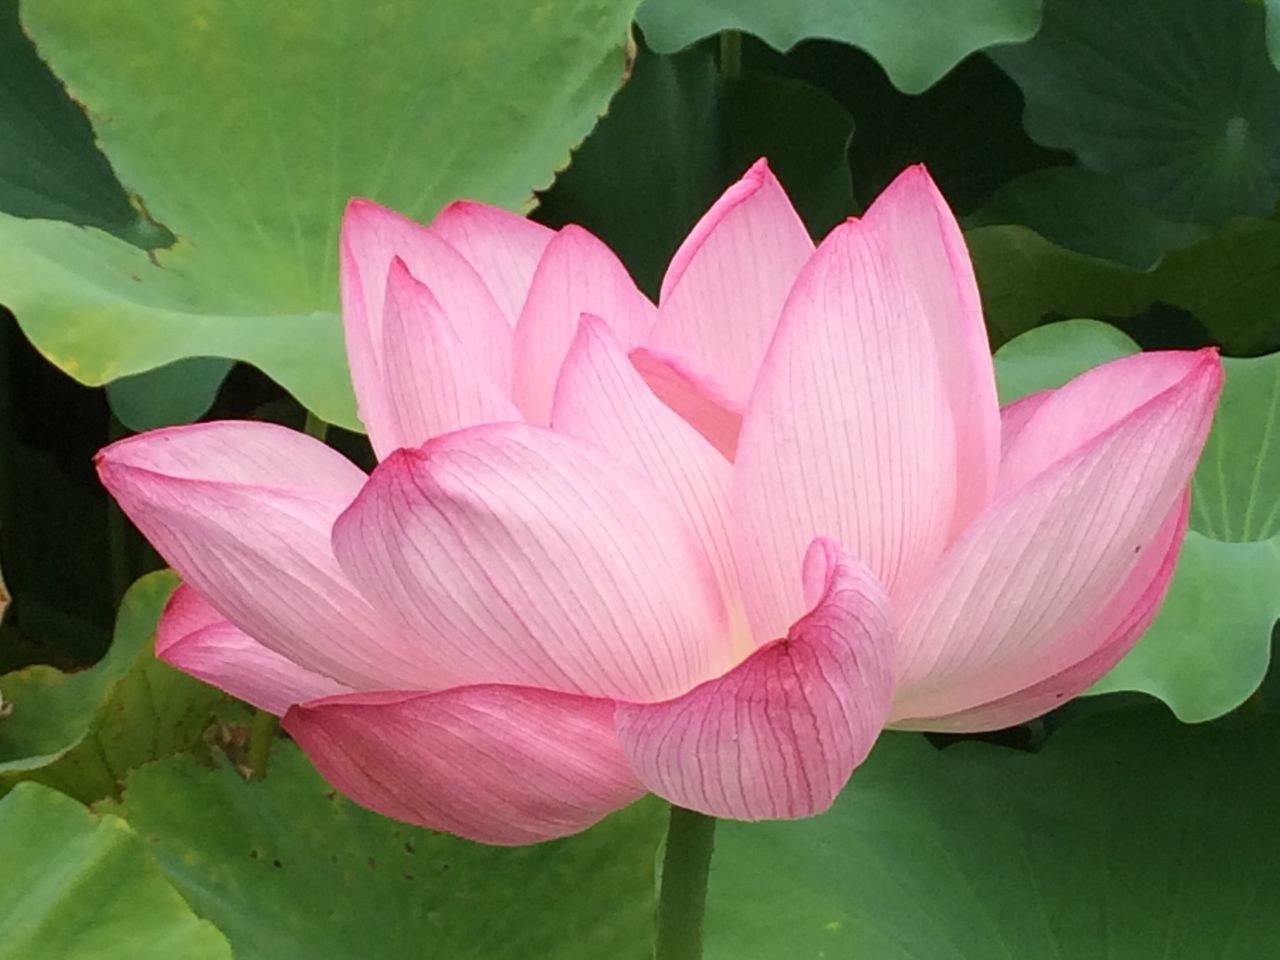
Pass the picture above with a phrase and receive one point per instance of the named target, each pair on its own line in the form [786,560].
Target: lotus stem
[682,893]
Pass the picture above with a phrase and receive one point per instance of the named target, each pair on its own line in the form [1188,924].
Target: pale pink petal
[849,433]
[432,384]
[1015,416]
[194,638]
[698,401]
[777,736]
[503,247]
[518,555]
[918,231]
[372,237]
[1103,640]
[1003,609]
[1076,412]
[243,512]
[502,765]
[601,398]
[577,274]
[724,289]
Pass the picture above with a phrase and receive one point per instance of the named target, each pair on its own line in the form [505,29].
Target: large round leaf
[1129,836]
[80,887]
[1176,97]
[916,41]
[1207,649]
[288,870]
[244,128]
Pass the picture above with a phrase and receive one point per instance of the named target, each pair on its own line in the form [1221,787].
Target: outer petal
[522,556]
[1003,610]
[600,398]
[1101,641]
[577,274]
[504,765]
[503,247]
[194,637]
[432,384]
[778,735]
[243,511]
[918,231]
[724,289]
[849,433]
[700,402]
[372,237]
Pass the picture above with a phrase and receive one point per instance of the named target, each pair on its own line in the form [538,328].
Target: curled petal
[194,638]
[501,765]
[778,735]
[243,512]
[503,247]
[517,555]
[1002,612]
[577,274]
[724,289]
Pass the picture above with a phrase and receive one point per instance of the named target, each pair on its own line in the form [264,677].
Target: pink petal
[1003,610]
[919,234]
[243,512]
[432,384]
[1103,639]
[1015,416]
[194,638]
[698,401]
[372,237]
[503,247]
[518,555]
[602,399]
[1082,408]
[577,274]
[503,765]
[779,735]
[723,292]
[849,433]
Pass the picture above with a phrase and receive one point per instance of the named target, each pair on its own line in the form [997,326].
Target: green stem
[315,427]
[682,896]
[730,54]
[261,734]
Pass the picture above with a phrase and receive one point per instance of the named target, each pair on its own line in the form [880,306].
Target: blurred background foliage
[172,177]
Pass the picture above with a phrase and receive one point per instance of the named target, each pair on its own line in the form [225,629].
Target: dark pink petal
[194,638]
[1003,610]
[503,247]
[1101,641]
[698,401]
[602,399]
[243,512]
[778,735]
[577,274]
[723,292]
[502,765]
[431,383]
[919,234]
[521,556]
[372,237]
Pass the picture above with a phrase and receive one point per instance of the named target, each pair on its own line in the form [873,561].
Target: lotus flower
[707,549]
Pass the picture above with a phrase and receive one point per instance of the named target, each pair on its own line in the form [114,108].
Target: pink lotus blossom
[708,548]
